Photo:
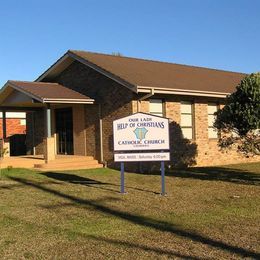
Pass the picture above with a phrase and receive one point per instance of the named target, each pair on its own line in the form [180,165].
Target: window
[156,107]
[187,120]
[212,109]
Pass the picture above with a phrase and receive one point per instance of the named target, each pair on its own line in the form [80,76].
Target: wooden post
[49,154]
[48,121]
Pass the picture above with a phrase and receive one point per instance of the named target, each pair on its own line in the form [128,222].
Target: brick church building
[71,106]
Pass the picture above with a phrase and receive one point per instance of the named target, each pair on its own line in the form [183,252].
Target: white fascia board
[68,101]
[186,92]
[4,87]
[53,67]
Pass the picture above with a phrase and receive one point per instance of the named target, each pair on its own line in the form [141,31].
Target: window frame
[212,127]
[162,114]
[192,113]
[22,121]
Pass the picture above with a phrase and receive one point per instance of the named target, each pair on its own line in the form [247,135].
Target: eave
[183,92]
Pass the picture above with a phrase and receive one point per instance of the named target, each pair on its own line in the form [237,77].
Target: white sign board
[141,131]
[143,157]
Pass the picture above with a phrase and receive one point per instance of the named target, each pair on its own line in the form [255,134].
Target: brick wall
[92,131]
[115,101]
[201,151]
[79,132]
[35,132]
[208,151]
[13,126]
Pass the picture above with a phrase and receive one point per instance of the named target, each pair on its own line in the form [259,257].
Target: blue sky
[217,34]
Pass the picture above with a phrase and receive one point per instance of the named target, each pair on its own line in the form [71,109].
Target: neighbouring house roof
[44,92]
[14,115]
[143,75]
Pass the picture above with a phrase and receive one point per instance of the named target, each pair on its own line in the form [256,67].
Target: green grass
[211,212]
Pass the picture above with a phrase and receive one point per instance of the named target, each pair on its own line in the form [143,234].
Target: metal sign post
[163,193]
[122,186]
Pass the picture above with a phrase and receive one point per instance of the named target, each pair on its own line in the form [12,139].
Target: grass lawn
[209,213]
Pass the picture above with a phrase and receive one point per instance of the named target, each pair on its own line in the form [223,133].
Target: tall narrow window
[156,107]
[212,109]
[187,120]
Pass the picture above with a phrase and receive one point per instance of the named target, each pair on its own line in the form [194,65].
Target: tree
[117,54]
[239,120]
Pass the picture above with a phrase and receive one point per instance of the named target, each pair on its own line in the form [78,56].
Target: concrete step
[69,163]
[69,167]
[17,165]
[66,157]
[58,163]
[64,165]
[87,159]
[20,162]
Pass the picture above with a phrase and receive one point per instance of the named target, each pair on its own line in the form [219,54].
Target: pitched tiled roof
[47,91]
[140,72]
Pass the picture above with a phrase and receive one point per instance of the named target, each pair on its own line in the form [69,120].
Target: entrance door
[17,144]
[64,130]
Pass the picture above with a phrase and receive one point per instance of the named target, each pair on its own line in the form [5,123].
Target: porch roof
[40,92]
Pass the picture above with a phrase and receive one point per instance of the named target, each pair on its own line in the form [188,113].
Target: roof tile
[45,90]
[140,72]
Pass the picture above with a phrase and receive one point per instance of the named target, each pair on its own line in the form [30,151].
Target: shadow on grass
[215,174]
[76,179]
[110,241]
[144,221]
[14,186]
[169,253]
[219,174]
[9,186]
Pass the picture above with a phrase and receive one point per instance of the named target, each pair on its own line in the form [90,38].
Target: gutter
[150,94]
[186,92]
[68,101]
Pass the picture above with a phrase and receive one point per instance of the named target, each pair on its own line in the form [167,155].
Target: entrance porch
[55,125]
